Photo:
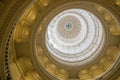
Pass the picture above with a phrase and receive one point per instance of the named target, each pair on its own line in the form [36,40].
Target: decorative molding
[12,15]
[11,18]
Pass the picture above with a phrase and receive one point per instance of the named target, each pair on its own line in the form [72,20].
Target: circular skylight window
[74,35]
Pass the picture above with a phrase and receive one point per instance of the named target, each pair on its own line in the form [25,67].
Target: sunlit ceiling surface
[74,35]
[60,40]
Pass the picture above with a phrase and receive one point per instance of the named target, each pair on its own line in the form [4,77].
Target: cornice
[12,11]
